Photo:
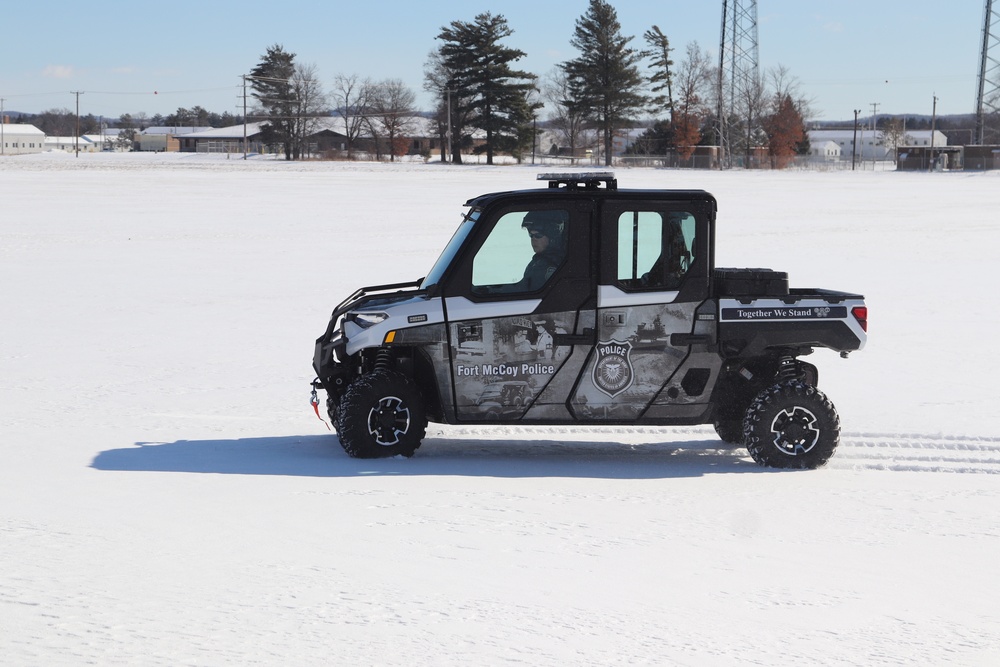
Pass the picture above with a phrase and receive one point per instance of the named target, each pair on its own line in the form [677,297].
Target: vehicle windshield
[448,254]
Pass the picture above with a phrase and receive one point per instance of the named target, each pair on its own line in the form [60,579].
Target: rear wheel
[381,414]
[730,430]
[791,425]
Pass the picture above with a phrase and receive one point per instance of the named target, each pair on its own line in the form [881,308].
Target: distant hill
[916,119]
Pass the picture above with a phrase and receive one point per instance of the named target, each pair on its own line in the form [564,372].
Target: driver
[546,231]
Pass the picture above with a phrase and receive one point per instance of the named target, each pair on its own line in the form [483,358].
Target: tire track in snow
[898,452]
[914,452]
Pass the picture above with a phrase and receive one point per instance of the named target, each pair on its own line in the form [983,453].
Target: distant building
[326,136]
[71,144]
[222,139]
[870,146]
[21,138]
[103,142]
[623,139]
[940,158]
[825,151]
[164,139]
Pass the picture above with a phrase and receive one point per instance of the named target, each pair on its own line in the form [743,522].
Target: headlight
[365,320]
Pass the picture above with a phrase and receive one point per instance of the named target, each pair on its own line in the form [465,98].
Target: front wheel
[791,425]
[381,414]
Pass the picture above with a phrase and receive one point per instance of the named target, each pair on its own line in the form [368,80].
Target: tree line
[485,104]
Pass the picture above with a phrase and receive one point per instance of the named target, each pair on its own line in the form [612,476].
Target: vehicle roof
[563,193]
[587,185]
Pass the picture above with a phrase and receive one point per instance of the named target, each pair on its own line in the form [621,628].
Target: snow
[167,496]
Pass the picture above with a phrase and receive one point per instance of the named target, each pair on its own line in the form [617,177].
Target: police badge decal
[613,372]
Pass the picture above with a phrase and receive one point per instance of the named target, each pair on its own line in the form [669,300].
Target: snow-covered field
[167,496]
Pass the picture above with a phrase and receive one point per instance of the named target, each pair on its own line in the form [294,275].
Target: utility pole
[76,139]
[875,106]
[244,116]
[3,121]
[448,103]
[534,137]
[854,146]
[933,128]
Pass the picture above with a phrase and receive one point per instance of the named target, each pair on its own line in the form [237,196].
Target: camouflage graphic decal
[500,365]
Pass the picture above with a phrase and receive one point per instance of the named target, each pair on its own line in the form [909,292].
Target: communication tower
[988,97]
[739,70]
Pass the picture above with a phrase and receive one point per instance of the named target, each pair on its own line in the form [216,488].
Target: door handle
[683,340]
[566,340]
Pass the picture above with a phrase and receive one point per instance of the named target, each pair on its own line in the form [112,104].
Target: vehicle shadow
[321,456]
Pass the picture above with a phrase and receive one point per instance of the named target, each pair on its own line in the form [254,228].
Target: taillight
[861,315]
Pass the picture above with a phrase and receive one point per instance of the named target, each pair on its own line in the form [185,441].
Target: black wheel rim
[388,421]
[795,431]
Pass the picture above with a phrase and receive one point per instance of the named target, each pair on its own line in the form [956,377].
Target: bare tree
[750,108]
[568,123]
[439,79]
[352,97]
[782,83]
[436,83]
[392,110]
[54,122]
[694,84]
[893,133]
[310,106]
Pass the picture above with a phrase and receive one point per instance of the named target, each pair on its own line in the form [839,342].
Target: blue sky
[128,57]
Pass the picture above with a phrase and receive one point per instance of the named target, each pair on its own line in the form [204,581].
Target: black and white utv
[580,303]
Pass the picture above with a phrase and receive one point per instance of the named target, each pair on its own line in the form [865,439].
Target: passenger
[670,267]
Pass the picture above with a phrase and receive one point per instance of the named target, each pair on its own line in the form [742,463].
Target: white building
[20,138]
[102,141]
[870,144]
[828,151]
[69,144]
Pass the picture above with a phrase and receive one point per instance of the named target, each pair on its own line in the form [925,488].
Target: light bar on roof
[589,180]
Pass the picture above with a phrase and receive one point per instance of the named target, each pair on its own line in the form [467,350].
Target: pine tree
[488,92]
[271,81]
[662,77]
[605,82]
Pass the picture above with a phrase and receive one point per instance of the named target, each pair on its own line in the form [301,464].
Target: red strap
[315,403]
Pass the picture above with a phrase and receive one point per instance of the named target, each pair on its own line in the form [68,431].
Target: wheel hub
[795,431]
[388,420]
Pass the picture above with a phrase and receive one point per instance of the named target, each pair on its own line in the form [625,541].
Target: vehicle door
[520,312]
[653,277]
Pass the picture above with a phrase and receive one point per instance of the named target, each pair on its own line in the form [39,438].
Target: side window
[522,253]
[655,249]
